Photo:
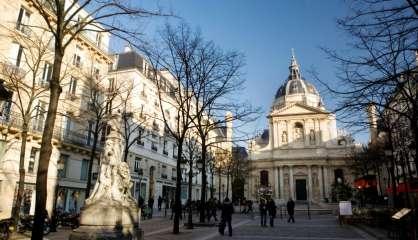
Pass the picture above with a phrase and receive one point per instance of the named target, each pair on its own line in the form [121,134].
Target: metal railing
[14,120]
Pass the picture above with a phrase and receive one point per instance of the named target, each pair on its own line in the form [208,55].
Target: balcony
[174,178]
[165,152]
[164,176]
[10,69]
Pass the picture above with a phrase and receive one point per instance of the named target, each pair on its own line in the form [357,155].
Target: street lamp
[60,167]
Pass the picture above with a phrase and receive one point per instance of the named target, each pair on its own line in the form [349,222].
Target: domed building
[302,153]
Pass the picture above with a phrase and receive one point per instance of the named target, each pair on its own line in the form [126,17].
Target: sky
[265,31]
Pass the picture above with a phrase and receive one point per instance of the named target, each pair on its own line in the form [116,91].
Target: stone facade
[302,153]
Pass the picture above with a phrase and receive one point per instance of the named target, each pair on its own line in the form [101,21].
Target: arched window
[339,176]
[298,132]
[264,178]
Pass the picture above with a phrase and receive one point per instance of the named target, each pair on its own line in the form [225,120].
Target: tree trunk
[22,172]
[190,218]
[177,201]
[126,152]
[46,147]
[211,184]
[203,193]
[92,157]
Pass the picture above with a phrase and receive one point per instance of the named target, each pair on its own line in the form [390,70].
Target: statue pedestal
[107,219]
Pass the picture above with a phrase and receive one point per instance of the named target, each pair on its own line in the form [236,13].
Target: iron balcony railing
[14,120]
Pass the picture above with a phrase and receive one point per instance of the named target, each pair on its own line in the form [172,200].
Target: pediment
[297,109]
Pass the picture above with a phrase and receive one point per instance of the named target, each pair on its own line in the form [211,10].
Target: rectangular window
[84,169]
[165,152]
[73,86]
[105,131]
[111,84]
[98,40]
[137,164]
[5,107]
[23,20]
[63,172]
[77,57]
[90,130]
[16,54]
[67,125]
[154,146]
[32,159]
[174,151]
[47,72]
[40,116]
[140,140]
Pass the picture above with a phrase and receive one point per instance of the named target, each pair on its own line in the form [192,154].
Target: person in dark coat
[159,202]
[141,203]
[151,206]
[226,217]
[263,212]
[271,208]
[291,210]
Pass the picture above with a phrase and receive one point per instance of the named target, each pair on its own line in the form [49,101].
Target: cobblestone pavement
[319,227]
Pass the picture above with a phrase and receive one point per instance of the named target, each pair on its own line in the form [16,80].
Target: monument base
[103,233]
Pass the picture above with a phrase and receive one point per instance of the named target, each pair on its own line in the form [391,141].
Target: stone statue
[111,212]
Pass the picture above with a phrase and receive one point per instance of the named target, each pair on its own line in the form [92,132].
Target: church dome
[296,89]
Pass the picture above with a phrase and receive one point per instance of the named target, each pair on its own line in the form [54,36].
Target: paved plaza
[319,227]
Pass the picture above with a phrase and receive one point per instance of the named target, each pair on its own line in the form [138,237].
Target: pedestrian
[159,202]
[271,208]
[263,212]
[141,203]
[151,206]
[291,210]
[226,217]
[211,209]
[172,206]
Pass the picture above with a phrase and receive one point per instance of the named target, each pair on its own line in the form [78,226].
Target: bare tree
[382,67]
[29,83]
[66,23]
[191,157]
[173,54]
[134,121]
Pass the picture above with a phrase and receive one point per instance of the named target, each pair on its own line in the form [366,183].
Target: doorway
[301,189]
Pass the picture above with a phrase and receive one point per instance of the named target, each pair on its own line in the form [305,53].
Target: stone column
[291,187]
[276,182]
[310,194]
[271,130]
[321,184]
[326,182]
[277,135]
[281,182]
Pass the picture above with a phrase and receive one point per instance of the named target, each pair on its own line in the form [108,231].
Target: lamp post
[60,167]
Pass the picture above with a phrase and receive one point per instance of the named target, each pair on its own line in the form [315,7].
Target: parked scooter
[26,224]
[6,228]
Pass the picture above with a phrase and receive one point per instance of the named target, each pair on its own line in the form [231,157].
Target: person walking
[271,208]
[226,217]
[151,206]
[263,212]
[160,203]
[291,210]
